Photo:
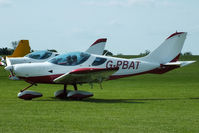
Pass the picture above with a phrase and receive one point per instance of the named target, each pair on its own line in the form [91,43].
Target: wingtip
[185,63]
[99,41]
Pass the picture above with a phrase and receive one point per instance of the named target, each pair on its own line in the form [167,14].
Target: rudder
[169,50]
[22,49]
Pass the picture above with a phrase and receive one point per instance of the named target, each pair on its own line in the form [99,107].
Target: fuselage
[47,71]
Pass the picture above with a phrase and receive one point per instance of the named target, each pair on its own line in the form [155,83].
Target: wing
[97,47]
[86,75]
[170,66]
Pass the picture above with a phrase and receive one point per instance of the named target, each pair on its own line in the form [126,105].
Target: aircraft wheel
[29,95]
[62,94]
[79,95]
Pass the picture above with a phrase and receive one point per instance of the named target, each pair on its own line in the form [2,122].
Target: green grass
[167,103]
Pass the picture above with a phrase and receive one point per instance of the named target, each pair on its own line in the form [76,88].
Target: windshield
[70,59]
[39,55]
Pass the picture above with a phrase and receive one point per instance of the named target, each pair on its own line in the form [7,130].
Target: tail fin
[169,50]
[97,47]
[22,49]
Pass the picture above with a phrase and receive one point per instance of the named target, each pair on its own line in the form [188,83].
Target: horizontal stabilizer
[179,63]
[170,66]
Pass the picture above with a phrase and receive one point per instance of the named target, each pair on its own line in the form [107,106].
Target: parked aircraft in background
[82,67]
[36,56]
[40,56]
[22,49]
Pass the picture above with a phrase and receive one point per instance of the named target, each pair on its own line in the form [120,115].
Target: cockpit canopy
[70,59]
[39,54]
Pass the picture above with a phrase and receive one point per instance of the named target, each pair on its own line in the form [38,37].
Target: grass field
[167,103]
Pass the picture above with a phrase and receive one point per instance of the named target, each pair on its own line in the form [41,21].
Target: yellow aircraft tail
[22,49]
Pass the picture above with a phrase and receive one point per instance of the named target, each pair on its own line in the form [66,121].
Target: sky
[131,26]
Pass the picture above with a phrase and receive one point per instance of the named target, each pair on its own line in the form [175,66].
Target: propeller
[11,69]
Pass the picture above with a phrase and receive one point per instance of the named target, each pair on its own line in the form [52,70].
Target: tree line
[6,51]
[9,51]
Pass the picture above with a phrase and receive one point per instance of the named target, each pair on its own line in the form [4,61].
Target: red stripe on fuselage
[48,79]
[161,70]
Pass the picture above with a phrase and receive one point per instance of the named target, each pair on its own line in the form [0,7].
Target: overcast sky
[131,26]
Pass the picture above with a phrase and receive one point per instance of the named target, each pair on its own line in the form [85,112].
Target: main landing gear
[75,95]
[63,94]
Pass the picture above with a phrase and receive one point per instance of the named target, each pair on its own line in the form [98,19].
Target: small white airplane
[82,67]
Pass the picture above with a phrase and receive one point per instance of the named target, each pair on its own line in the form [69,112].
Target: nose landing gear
[28,95]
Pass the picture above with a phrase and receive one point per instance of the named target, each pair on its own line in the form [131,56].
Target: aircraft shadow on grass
[142,100]
[94,100]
